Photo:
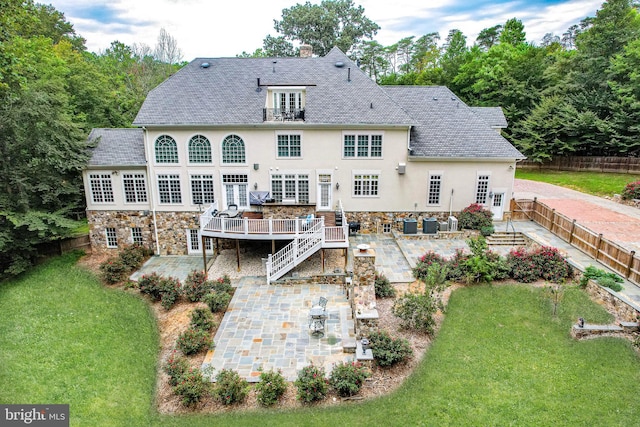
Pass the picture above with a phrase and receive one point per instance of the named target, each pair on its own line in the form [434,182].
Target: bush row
[117,268]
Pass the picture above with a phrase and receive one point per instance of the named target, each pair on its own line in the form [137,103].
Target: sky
[207,28]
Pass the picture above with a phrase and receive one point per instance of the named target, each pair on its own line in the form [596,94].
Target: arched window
[199,150]
[233,149]
[166,150]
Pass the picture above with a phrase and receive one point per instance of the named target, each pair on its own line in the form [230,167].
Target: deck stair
[503,238]
[301,248]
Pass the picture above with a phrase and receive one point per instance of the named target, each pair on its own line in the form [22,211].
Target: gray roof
[446,127]
[225,93]
[493,116]
[117,147]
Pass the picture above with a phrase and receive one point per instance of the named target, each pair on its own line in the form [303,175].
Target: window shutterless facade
[289,145]
[435,188]
[362,145]
[235,189]
[135,188]
[290,187]
[202,189]
[233,150]
[199,150]
[194,242]
[101,188]
[166,149]
[482,188]
[136,235]
[112,238]
[365,185]
[169,189]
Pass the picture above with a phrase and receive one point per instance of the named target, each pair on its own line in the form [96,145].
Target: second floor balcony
[280,115]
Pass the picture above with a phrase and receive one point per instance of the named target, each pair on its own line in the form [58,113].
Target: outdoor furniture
[317,318]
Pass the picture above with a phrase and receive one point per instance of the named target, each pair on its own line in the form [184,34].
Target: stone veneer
[286,211]
[612,302]
[363,293]
[372,222]
[172,228]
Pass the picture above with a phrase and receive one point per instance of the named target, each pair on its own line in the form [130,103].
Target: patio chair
[322,303]
[232,206]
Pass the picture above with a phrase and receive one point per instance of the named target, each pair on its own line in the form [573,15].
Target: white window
[199,150]
[169,189]
[193,242]
[435,188]
[112,238]
[482,188]
[233,150]
[235,189]
[289,146]
[136,235]
[290,186]
[202,189]
[290,101]
[101,188]
[135,188]
[362,145]
[365,184]
[166,149]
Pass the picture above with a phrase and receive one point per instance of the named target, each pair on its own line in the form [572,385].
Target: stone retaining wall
[372,222]
[612,302]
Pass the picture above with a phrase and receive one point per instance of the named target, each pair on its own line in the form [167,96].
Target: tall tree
[455,49]
[331,23]
[488,37]
[513,32]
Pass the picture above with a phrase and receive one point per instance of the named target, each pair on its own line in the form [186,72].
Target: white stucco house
[315,133]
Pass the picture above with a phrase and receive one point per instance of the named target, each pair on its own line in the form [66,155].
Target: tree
[549,39]
[513,32]
[455,49]
[331,23]
[372,59]
[278,47]
[167,50]
[624,81]
[488,37]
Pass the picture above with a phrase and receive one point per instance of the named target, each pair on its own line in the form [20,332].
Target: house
[315,134]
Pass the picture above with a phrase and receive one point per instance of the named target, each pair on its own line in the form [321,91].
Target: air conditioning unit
[443,226]
[453,223]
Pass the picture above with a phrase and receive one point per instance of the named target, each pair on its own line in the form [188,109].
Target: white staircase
[301,248]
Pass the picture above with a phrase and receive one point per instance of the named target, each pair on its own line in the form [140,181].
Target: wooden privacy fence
[59,247]
[587,163]
[617,258]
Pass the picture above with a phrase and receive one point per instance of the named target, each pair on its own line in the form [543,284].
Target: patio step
[501,238]
[348,329]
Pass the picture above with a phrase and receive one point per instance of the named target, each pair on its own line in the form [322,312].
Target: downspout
[409,140]
[151,192]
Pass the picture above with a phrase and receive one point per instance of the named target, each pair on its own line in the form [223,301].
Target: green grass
[596,183]
[501,358]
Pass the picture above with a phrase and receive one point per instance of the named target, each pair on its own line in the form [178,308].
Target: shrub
[347,378]
[542,263]
[631,191]
[602,277]
[193,341]
[149,284]
[192,387]
[416,311]
[311,384]
[132,256]
[176,367]
[609,282]
[230,388]
[487,230]
[388,351]
[436,278]
[196,285]
[475,217]
[201,318]
[522,267]
[425,261]
[113,270]
[222,285]
[456,266]
[170,290]
[217,301]
[271,387]
[383,287]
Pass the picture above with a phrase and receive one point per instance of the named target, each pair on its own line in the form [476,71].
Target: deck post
[204,255]
[322,258]
[238,253]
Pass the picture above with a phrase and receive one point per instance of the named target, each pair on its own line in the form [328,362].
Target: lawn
[596,183]
[501,358]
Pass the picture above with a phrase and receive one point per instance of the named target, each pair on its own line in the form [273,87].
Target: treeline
[572,94]
[52,92]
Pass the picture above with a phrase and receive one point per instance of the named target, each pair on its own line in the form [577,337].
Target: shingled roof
[224,91]
[493,116]
[117,147]
[446,127]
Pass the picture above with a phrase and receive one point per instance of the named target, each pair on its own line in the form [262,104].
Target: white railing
[301,248]
[267,227]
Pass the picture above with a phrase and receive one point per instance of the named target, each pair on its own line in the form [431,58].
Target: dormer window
[285,104]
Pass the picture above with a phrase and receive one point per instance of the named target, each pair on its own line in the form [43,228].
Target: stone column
[363,294]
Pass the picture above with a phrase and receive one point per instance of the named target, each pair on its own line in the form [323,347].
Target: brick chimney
[306,51]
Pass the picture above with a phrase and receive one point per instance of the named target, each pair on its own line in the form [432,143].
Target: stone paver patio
[266,326]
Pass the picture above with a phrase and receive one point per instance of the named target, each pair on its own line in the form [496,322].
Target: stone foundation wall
[284,211]
[372,222]
[171,231]
[610,300]
[331,279]
[123,222]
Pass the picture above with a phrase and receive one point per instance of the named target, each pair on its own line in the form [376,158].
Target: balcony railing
[280,115]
